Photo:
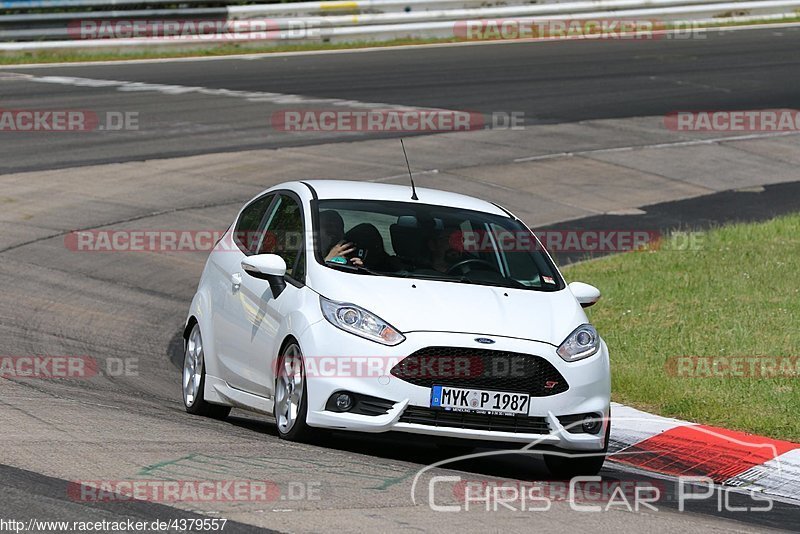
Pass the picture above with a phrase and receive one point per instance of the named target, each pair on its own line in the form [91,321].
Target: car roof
[351,189]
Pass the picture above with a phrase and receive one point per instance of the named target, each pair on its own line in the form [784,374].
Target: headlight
[581,343]
[360,322]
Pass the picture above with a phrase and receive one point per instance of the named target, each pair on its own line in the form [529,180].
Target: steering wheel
[463,263]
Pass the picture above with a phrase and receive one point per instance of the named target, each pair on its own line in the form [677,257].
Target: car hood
[413,305]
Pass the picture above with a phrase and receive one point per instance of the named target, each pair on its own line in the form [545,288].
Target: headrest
[408,242]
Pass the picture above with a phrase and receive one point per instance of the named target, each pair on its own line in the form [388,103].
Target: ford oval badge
[484,340]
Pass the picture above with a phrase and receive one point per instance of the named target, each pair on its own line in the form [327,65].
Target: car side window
[247,234]
[299,273]
[283,233]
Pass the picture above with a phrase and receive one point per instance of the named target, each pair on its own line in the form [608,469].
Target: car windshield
[414,240]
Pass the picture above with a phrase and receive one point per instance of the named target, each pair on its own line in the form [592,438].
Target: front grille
[473,421]
[373,406]
[481,369]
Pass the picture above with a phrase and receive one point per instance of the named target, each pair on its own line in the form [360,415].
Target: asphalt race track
[186,168]
[548,82]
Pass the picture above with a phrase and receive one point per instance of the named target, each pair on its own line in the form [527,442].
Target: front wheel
[291,396]
[563,467]
[589,464]
[455,450]
[194,379]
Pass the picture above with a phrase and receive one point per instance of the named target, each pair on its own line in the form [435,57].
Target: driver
[332,242]
[440,246]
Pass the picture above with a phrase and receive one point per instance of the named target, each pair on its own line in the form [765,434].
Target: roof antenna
[410,176]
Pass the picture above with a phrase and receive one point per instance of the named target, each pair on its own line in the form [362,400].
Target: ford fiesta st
[364,307]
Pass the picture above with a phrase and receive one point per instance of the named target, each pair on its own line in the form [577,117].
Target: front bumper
[589,387]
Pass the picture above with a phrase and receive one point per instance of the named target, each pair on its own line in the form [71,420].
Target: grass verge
[738,295]
[69,56]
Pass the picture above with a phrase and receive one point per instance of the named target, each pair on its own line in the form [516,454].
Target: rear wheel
[194,379]
[291,396]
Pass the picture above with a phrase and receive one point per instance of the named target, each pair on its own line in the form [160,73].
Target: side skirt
[218,391]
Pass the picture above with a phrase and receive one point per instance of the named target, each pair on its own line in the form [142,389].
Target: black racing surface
[27,495]
[553,82]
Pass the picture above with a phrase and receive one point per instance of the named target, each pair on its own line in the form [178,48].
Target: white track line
[251,96]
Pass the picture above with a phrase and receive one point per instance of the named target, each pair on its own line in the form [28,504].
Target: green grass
[738,295]
[67,56]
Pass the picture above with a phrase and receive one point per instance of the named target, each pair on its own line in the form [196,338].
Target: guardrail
[338,21]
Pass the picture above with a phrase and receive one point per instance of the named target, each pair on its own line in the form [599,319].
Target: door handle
[236,280]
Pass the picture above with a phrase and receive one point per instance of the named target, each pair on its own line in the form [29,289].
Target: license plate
[477,400]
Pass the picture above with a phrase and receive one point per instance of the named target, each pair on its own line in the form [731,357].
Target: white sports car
[361,306]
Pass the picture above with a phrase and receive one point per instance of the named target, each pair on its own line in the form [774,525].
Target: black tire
[578,464]
[195,403]
[298,430]
[455,449]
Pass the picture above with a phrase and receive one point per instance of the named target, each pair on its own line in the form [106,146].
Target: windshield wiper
[350,268]
[506,281]
[442,277]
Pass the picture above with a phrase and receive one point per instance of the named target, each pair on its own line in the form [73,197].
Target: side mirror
[269,267]
[585,294]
